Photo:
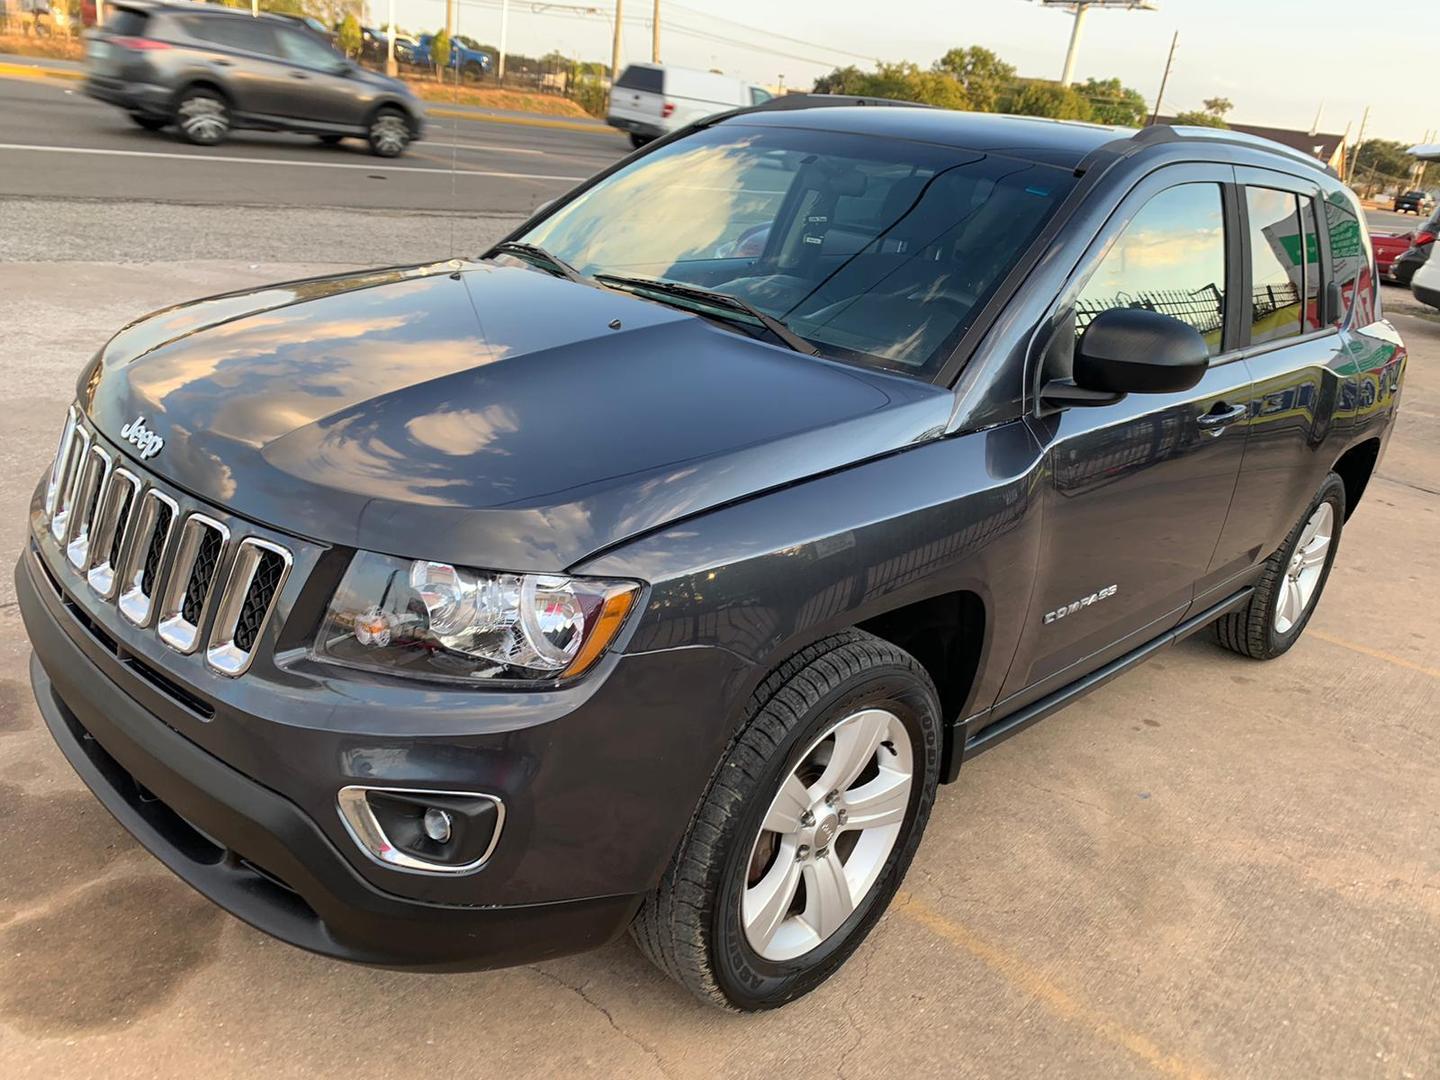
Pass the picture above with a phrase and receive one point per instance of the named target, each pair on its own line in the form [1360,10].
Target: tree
[349,36]
[903,82]
[1196,118]
[1040,98]
[440,50]
[1113,103]
[846,80]
[1218,107]
[983,75]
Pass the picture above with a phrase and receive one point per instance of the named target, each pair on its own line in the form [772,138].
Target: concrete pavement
[1210,867]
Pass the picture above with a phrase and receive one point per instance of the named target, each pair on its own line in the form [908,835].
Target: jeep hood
[482,414]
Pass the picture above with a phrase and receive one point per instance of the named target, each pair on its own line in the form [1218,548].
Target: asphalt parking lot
[1211,867]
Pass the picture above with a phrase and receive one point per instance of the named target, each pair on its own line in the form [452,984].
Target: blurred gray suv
[210,71]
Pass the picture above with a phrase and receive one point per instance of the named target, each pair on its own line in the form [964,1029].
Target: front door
[1137,492]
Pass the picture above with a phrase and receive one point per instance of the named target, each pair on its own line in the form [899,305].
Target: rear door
[639,97]
[1137,492]
[244,57]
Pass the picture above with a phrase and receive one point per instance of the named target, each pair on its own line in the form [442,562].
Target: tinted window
[1349,251]
[1310,314]
[245,34]
[125,22]
[648,80]
[307,50]
[1170,259]
[877,250]
[1277,276]
[757,95]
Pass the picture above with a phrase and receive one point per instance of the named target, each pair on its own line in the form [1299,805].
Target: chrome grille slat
[112,525]
[162,567]
[190,581]
[247,600]
[150,539]
[93,480]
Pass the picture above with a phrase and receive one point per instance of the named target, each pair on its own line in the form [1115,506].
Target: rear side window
[1170,259]
[1277,264]
[247,35]
[127,22]
[306,50]
[1349,257]
[1310,313]
[647,80]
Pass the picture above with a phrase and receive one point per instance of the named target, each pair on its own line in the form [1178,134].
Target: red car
[1388,248]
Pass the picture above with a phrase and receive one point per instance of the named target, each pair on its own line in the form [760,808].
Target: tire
[149,123]
[694,925]
[329,140]
[203,117]
[1260,629]
[472,72]
[389,133]
[637,140]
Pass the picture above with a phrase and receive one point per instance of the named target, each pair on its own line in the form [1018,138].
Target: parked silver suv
[208,71]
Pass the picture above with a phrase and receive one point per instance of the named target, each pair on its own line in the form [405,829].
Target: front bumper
[1426,296]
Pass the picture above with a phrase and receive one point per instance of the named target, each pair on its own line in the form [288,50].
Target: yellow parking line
[1365,650]
[1034,983]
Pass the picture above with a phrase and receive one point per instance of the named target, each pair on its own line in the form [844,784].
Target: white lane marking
[229,159]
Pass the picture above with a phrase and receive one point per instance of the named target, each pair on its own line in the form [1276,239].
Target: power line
[772,34]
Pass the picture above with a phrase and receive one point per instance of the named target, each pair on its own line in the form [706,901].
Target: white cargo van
[650,100]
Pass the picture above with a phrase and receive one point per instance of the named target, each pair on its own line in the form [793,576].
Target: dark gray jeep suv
[208,70]
[653,570]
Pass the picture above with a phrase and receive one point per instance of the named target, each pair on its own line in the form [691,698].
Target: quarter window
[1170,259]
[1277,264]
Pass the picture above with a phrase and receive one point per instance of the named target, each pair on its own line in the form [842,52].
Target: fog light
[437,825]
[439,832]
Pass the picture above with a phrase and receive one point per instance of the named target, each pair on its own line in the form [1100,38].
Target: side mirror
[1130,351]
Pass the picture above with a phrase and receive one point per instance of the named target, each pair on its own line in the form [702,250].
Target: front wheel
[389,133]
[203,117]
[806,831]
[1294,577]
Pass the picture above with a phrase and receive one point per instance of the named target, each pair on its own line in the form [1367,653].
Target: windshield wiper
[700,294]
[536,253]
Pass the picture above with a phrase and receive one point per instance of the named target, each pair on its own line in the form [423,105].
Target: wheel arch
[1355,467]
[394,104]
[201,82]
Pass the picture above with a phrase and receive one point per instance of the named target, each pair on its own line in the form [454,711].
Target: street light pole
[1164,79]
[655,35]
[615,50]
[1067,76]
[390,68]
[504,28]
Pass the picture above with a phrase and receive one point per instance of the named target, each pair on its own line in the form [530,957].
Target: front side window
[1170,259]
[877,251]
[1277,264]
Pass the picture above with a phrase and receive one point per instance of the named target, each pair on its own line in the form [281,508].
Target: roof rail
[1166,133]
[829,101]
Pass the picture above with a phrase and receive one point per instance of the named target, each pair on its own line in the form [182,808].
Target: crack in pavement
[635,1040]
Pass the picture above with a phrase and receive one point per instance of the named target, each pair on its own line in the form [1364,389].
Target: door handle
[1220,417]
[298,75]
[223,63]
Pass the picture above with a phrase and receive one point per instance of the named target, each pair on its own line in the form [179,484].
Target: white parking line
[229,159]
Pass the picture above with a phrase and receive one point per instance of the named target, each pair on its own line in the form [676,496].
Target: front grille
[162,566]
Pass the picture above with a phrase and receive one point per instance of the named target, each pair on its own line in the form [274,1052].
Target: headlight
[434,620]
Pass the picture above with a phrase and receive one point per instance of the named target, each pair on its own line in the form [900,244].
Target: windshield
[879,251]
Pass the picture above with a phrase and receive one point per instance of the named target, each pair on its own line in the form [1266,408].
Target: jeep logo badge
[142,438]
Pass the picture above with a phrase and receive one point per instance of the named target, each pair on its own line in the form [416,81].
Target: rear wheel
[149,123]
[807,829]
[637,140]
[472,72]
[1294,578]
[389,133]
[203,117]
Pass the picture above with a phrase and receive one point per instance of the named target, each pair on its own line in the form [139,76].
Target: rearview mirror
[1135,351]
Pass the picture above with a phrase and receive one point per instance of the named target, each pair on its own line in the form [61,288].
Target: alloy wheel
[389,134]
[1307,564]
[203,119]
[827,835]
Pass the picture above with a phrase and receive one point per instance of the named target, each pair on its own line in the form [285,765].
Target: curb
[26,71]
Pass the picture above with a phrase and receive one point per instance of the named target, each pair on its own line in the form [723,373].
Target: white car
[650,100]
[1426,283]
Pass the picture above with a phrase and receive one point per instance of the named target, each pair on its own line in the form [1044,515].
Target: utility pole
[615,51]
[504,28]
[1067,76]
[1359,141]
[99,12]
[655,35]
[254,9]
[450,19]
[390,68]
[1155,118]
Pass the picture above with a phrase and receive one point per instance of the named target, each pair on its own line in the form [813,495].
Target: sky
[1279,61]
